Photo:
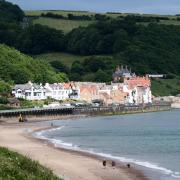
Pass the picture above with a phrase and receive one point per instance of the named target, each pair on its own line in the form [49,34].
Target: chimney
[121,67]
[30,83]
[118,68]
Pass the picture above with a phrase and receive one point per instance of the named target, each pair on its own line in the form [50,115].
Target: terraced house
[134,90]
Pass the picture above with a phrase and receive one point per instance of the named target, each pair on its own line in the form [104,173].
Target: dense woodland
[147,48]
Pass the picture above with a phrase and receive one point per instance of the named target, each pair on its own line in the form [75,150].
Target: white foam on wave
[40,134]
[70,146]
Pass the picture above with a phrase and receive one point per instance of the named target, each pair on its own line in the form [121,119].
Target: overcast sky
[134,6]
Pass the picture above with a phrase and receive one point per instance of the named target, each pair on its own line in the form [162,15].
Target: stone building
[121,73]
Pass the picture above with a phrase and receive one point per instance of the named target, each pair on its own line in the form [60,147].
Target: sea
[149,141]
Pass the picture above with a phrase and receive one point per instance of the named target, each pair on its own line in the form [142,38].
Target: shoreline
[73,165]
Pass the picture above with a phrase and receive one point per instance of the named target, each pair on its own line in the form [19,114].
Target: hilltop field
[67,25]
[111,14]
[61,24]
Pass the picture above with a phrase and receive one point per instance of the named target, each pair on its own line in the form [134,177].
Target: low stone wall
[174,100]
[175,105]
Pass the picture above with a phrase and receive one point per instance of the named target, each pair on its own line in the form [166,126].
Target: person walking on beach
[104,163]
[20,118]
[128,165]
[113,164]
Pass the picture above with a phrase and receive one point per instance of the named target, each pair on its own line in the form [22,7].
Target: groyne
[62,112]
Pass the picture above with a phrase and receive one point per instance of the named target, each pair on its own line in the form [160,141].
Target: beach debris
[128,165]
[104,163]
[113,163]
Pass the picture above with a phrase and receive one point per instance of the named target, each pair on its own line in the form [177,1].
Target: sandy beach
[67,164]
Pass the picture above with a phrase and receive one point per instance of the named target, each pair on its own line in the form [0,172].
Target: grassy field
[16,166]
[68,25]
[65,13]
[61,24]
[170,22]
[65,58]
[60,12]
[111,14]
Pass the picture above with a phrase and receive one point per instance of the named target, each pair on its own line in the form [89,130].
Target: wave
[70,146]
[40,134]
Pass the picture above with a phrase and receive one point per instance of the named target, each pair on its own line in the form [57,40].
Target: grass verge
[16,166]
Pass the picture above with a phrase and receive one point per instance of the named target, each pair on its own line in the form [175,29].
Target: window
[19,91]
[27,94]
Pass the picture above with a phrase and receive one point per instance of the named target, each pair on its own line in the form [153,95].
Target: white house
[57,91]
[61,91]
[29,91]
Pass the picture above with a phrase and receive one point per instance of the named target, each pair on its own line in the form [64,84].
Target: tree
[94,64]
[5,88]
[37,39]
[59,66]
[77,68]
[61,77]
[121,41]
[101,76]
[10,12]
[20,76]
[3,100]
[75,77]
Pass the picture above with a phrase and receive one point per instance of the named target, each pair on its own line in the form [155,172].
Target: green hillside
[65,58]
[19,68]
[61,24]
[68,25]
[16,166]
[164,87]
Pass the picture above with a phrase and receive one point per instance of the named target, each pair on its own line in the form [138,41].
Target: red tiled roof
[138,81]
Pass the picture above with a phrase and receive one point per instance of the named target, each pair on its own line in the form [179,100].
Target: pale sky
[133,6]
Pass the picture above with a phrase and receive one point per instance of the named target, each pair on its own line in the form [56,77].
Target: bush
[5,88]
[3,100]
